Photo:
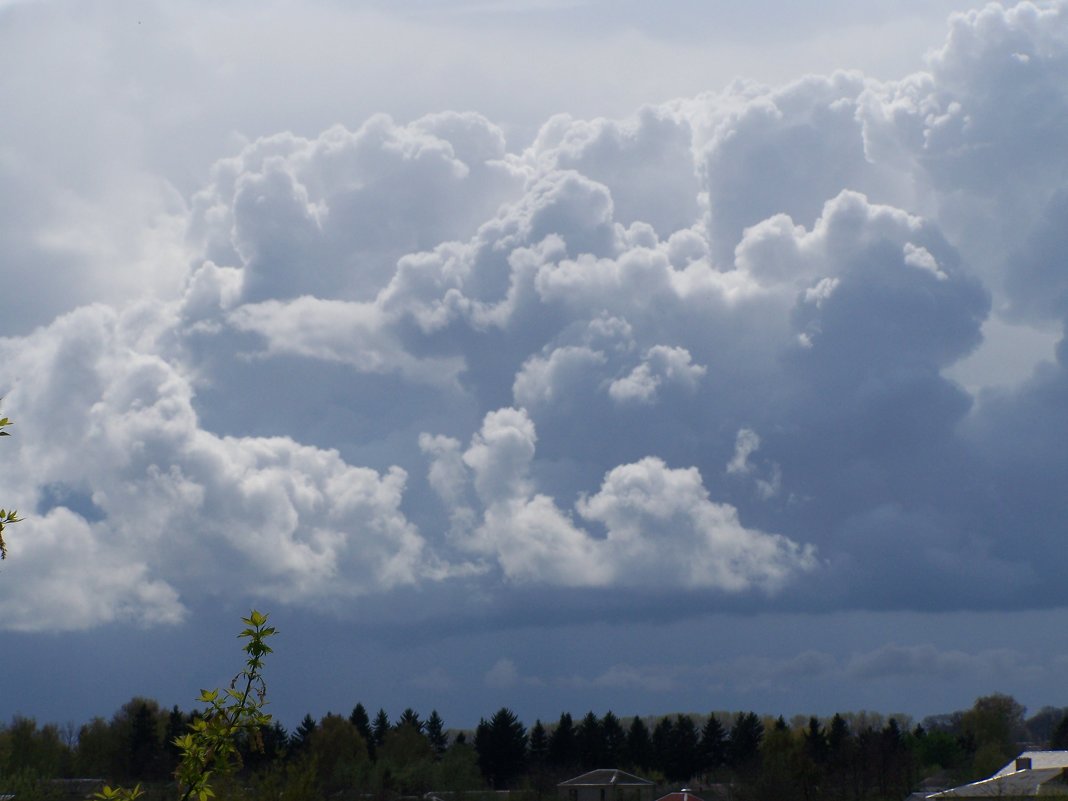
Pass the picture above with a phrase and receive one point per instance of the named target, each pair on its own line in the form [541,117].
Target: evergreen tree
[743,747]
[380,728]
[639,751]
[662,744]
[299,740]
[177,725]
[502,748]
[542,779]
[538,745]
[273,740]
[563,748]
[816,745]
[614,739]
[682,763]
[435,733]
[144,741]
[838,737]
[409,717]
[590,742]
[713,748]
[362,723]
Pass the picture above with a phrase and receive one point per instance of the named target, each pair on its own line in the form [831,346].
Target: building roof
[681,795]
[606,777]
[1024,776]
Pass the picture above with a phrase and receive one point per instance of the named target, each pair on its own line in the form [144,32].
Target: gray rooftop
[606,777]
[1016,779]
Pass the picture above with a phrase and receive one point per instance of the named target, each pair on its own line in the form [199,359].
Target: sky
[548,354]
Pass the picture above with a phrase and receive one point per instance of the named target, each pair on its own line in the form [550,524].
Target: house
[607,785]
[1031,774]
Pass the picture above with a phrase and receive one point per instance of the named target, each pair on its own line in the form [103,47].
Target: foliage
[851,757]
[435,733]
[7,516]
[563,746]
[339,754]
[992,727]
[502,748]
[210,747]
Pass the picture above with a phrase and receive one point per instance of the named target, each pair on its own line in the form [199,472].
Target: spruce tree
[435,733]
[380,728]
[362,722]
[713,748]
[614,739]
[563,749]
[590,742]
[743,748]
[538,746]
[662,744]
[300,738]
[639,751]
[683,763]
[502,748]
[409,717]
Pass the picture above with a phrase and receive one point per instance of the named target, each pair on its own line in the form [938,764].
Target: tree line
[849,756]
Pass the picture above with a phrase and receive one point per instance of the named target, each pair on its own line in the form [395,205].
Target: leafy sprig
[209,748]
[7,516]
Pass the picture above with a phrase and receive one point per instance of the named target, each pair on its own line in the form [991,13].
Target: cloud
[894,661]
[661,365]
[505,674]
[179,509]
[661,528]
[691,348]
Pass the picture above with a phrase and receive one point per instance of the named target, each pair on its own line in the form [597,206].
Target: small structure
[607,785]
[682,795]
[1031,774]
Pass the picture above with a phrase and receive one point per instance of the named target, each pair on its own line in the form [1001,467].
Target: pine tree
[683,762]
[816,742]
[502,748]
[713,748]
[590,742]
[380,728]
[145,743]
[435,733]
[362,722]
[409,717]
[300,738]
[743,748]
[177,725]
[614,738]
[563,749]
[538,744]
[639,751]
[662,744]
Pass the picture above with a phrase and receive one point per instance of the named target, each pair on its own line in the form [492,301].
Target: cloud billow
[700,350]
